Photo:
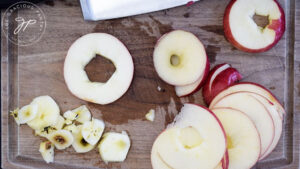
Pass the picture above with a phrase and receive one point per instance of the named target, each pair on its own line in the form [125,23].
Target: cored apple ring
[241,30]
[82,51]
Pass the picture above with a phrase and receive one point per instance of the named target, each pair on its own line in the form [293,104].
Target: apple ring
[243,33]
[179,58]
[81,52]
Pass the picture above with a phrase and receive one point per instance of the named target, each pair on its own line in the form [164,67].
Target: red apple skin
[274,99]
[225,160]
[204,78]
[277,25]
[223,80]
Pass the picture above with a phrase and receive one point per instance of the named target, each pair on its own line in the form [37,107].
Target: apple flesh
[224,162]
[196,139]
[243,140]
[179,58]
[158,163]
[277,122]
[81,52]
[242,32]
[219,78]
[182,91]
[257,112]
[251,87]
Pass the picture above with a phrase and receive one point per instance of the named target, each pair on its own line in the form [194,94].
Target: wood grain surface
[36,70]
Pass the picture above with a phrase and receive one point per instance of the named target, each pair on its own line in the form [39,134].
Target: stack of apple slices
[75,127]
[260,106]
[250,115]
[195,140]
[180,59]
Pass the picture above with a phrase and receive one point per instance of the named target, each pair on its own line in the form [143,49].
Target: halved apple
[250,87]
[179,58]
[186,90]
[219,78]
[277,122]
[257,112]
[241,30]
[196,140]
[242,137]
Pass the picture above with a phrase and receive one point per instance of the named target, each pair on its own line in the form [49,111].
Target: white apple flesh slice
[243,140]
[277,123]
[82,51]
[219,78]
[158,163]
[241,30]
[196,140]
[179,58]
[257,112]
[250,87]
[114,147]
[186,90]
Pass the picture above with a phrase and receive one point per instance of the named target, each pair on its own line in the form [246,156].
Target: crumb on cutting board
[150,115]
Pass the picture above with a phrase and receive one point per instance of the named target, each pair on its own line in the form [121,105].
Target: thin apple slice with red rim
[186,90]
[243,140]
[243,33]
[219,78]
[224,162]
[179,58]
[257,112]
[196,139]
[250,87]
[277,122]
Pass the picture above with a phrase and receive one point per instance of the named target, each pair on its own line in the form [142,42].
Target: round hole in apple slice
[97,75]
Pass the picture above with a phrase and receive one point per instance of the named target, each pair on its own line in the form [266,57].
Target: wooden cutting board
[36,70]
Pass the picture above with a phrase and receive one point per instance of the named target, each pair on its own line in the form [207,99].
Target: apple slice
[250,87]
[219,78]
[195,140]
[82,51]
[243,33]
[179,58]
[158,163]
[257,112]
[242,137]
[186,90]
[277,123]
[224,162]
